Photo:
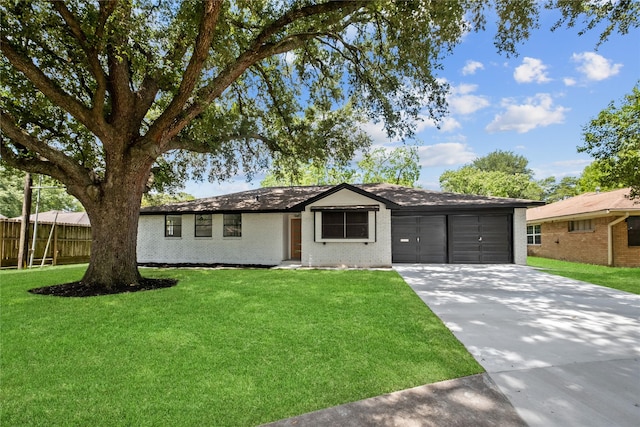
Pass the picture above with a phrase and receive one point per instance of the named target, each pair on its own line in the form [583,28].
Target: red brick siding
[624,255]
[588,246]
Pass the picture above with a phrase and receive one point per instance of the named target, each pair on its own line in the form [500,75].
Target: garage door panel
[433,239]
[421,239]
[404,231]
[461,239]
[480,239]
[466,257]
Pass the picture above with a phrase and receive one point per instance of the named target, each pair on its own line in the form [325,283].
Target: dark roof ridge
[296,198]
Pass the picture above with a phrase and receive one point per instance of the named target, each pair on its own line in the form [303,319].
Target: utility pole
[23,248]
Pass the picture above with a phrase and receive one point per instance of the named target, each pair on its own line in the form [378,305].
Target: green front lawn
[624,279]
[223,347]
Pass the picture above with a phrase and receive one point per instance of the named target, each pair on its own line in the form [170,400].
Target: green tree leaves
[503,161]
[395,166]
[12,188]
[500,173]
[97,94]
[470,180]
[399,166]
[613,140]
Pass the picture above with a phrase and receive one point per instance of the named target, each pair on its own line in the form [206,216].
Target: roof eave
[217,211]
[585,215]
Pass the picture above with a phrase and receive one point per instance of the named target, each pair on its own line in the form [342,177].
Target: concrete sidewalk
[564,352]
[469,401]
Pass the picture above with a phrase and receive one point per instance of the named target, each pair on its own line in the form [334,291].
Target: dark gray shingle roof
[293,199]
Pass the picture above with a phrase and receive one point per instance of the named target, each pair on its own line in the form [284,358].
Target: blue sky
[535,104]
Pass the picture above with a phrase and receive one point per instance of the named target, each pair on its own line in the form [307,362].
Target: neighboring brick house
[594,228]
[370,225]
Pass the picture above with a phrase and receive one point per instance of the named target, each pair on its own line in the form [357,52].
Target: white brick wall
[520,236]
[375,252]
[261,241]
[265,239]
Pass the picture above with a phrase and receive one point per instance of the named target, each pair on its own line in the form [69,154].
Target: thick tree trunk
[114,229]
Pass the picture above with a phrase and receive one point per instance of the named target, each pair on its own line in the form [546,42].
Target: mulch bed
[201,265]
[81,289]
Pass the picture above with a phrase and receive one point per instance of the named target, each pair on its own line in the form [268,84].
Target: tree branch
[106,10]
[119,81]
[32,165]
[259,50]
[191,75]
[179,143]
[92,56]
[227,77]
[305,12]
[49,87]
[66,169]
[272,95]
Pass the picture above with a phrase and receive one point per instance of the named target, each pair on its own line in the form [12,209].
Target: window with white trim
[173,226]
[534,237]
[345,225]
[232,225]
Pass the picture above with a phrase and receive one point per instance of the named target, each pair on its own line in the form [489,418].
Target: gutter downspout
[610,237]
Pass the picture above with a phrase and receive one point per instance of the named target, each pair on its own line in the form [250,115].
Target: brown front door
[296,238]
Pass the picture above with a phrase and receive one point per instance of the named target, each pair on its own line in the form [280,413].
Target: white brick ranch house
[368,225]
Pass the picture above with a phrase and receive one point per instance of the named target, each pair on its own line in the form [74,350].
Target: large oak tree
[106,95]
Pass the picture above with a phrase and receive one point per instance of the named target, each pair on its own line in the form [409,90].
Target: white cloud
[471,67]
[461,100]
[210,189]
[445,154]
[377,132]
[531,70]
[537,111]
[561,168]
[467,104]
[568,81]
[447,124]
[595,67]
[463,89]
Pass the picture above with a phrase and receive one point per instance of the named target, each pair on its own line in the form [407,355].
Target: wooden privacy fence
[70,244]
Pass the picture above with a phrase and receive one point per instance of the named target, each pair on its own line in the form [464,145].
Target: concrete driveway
[564,352]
